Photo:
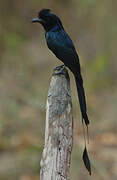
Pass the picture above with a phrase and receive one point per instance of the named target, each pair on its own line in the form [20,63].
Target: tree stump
[56,157]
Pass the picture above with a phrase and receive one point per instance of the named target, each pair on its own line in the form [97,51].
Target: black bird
[62,46]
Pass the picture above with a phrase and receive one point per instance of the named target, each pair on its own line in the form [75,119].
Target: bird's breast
[53,42]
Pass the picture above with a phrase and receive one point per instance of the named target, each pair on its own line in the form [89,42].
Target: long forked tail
[82,99]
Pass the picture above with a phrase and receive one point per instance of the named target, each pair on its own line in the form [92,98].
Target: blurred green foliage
[25,71]
[12,40]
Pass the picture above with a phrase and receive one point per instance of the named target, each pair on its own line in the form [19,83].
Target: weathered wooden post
[55,162]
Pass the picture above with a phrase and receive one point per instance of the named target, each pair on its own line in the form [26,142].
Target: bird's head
[47,19]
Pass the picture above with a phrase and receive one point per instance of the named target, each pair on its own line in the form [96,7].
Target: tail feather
[82,99]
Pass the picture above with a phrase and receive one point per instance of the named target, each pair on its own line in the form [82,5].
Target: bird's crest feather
[44,12]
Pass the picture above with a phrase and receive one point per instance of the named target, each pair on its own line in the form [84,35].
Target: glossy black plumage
[62,46]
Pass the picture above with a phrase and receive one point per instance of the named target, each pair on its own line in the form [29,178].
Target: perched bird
[61,45]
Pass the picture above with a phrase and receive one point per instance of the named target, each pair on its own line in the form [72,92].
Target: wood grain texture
[55,162]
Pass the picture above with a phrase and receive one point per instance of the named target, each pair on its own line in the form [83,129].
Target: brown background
[26,67]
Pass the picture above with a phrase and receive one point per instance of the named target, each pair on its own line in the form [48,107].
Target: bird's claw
[59,70]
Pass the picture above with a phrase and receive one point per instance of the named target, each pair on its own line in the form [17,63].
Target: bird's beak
[39,20]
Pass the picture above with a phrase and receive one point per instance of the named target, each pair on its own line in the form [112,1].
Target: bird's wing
[63,39]
[62,46]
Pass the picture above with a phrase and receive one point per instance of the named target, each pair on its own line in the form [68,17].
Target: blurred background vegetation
[26,67]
